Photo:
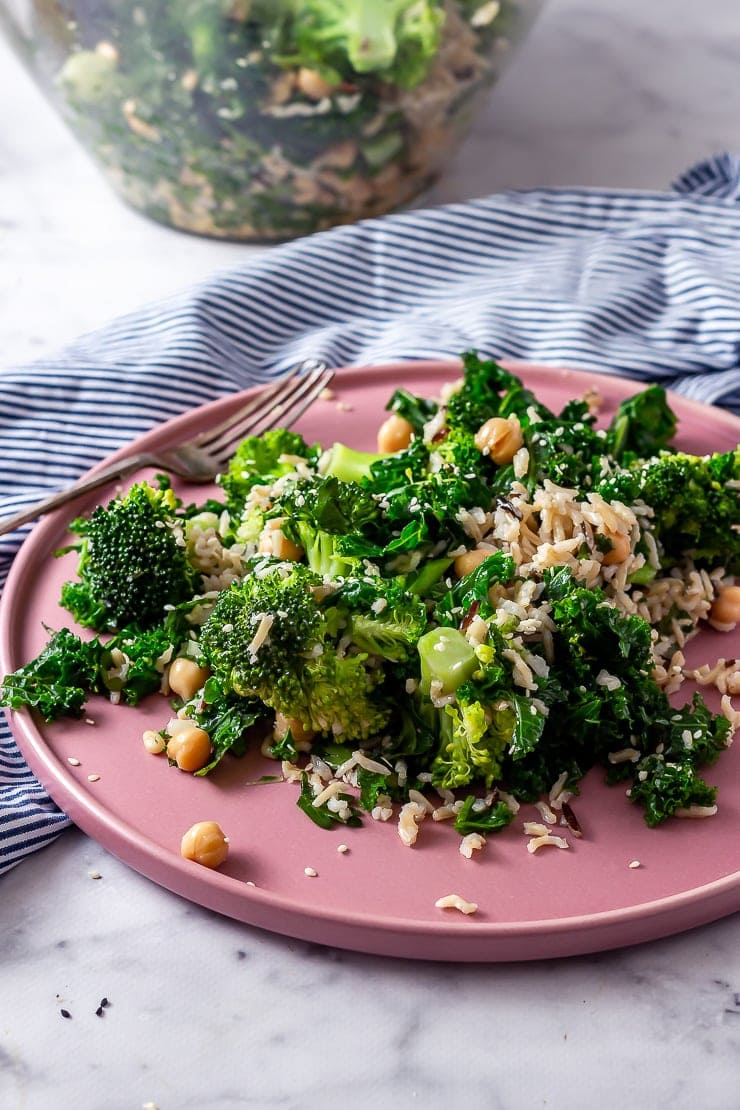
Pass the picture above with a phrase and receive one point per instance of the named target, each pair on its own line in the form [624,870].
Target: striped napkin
[643,284]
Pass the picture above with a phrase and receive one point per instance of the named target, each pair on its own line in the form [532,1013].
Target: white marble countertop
[209,1014]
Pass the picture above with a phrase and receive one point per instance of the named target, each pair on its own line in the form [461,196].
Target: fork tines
[279,404]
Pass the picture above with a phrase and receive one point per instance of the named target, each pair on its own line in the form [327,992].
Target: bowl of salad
[264,120]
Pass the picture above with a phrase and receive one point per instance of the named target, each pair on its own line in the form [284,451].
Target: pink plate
[379,896]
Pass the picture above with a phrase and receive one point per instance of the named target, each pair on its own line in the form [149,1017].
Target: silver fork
[279,404]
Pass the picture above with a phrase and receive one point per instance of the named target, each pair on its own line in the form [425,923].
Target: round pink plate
[379,896]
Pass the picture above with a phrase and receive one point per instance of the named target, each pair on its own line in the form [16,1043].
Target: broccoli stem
[346,464]
[447,659]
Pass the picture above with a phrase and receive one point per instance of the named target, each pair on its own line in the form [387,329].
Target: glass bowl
[267,119]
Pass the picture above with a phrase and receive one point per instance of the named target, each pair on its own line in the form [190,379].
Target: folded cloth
[643,284]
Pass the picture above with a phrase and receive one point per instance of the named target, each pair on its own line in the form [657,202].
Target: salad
[475,615]
[266,119]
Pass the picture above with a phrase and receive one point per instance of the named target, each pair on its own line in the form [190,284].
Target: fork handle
[89,482]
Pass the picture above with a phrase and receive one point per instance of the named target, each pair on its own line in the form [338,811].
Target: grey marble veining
[208,1014]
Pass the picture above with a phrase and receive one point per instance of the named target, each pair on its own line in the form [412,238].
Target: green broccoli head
[133,561]
[696,505]
[266,618]
[269,638]
[333,694]
[395,39]
[383,617]
[470,749]
[320,515]
[261,460]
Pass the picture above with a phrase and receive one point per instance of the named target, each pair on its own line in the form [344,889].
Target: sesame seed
[89,721]
[634,864]
[310,871]
[95,875]
[250,883]
[73,761]
[93,778]
[65,1013]
[342,848]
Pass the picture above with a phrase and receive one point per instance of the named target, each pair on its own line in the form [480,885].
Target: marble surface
[209,1014]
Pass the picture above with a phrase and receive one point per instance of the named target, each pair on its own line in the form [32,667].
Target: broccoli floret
[259,623]
[383,617]
[321,516]
[395,39]
[333,695]
[697,509]
[132,561]
[269,638]
[470,749]
[261,460]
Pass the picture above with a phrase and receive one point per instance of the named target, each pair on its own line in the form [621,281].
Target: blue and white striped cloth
[644,284]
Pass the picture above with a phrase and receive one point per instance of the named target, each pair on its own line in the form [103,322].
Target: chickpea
[189,748]
[206,844]
[469,560]
[500,438]
[726,606]
[273,541]
[298,731]
[619,550]
[312,84]
[394,434]
[153,742]
[186,677]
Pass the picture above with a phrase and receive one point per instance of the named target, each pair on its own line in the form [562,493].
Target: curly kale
[132,561]
[57,682]
[489,390]
[642,426]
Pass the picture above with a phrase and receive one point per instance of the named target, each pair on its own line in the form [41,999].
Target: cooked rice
[695,811]
[456,902]
[408,822]
[543,841]
[471,843]
[724,674]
